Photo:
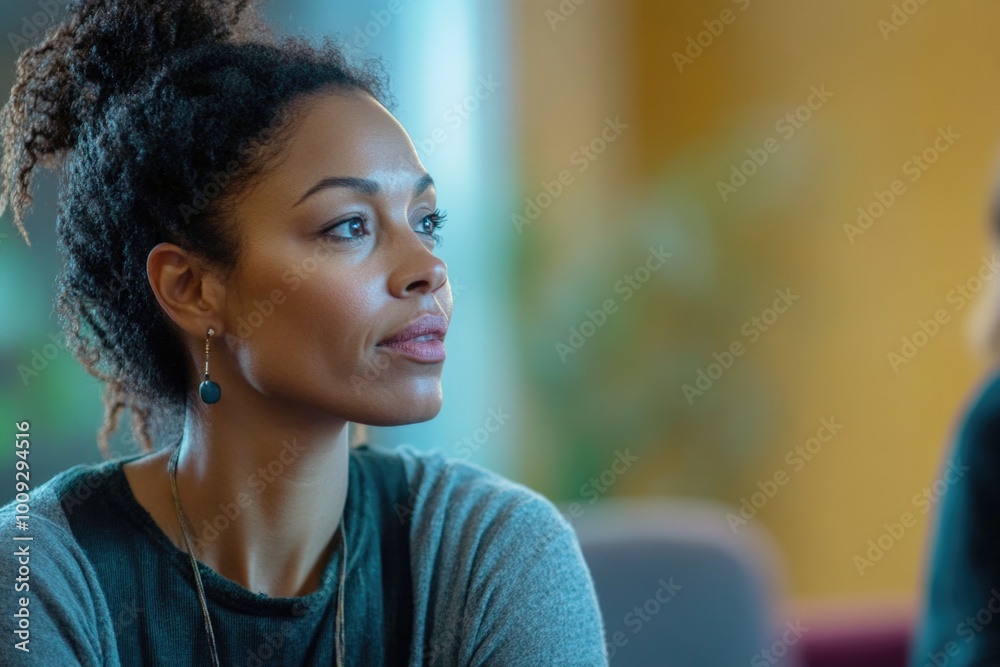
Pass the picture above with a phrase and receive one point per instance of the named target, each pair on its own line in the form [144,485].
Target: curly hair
[159,114]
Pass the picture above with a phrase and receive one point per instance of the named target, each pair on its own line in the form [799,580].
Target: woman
[249,240]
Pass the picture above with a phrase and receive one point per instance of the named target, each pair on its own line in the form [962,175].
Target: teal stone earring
[210,391]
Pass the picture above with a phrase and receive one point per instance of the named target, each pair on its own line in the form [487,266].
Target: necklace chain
[339,628]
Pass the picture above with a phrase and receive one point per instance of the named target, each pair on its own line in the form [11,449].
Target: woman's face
[330,267]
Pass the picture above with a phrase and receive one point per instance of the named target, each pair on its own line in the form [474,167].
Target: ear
[187,290]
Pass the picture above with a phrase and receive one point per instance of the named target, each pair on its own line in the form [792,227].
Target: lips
[422,329]
[421,340]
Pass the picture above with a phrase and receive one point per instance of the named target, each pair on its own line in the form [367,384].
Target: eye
[431,222]
[351,229]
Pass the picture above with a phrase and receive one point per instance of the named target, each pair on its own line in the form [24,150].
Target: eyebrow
[365,186]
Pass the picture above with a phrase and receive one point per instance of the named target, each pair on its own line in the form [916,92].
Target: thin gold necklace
[339,629]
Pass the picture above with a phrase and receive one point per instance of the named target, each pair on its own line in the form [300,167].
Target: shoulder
[976,430]
[450,490]
[56,583]
[501,566]
[55,499]
[486,530]
[37,522]
[40,519]
[42,514]
[45,501]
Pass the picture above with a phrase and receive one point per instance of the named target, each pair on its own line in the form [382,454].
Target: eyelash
[437,219]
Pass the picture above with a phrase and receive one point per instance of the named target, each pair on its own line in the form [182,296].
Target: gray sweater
[448,564]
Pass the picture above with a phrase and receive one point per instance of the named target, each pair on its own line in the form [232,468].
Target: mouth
[424,349]
[421,340]
[425,338]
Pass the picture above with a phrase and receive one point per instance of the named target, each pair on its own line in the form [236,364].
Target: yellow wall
[827,356]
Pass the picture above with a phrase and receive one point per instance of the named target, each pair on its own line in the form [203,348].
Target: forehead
[344,134]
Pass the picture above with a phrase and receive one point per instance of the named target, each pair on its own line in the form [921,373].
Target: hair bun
[104,47]
[114,43]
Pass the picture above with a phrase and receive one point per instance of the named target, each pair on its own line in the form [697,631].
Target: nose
[415,269]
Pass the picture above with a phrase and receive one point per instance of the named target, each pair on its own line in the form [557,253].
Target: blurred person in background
[959,621]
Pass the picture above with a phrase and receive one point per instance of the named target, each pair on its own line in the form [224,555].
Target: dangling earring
[210,391]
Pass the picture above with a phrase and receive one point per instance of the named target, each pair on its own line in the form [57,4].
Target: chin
[398,417]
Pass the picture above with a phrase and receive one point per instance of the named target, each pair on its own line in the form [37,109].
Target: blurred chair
[677,587]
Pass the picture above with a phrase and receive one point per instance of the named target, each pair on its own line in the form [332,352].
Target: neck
[263,499]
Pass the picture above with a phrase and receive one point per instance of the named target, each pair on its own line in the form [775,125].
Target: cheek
[306,328]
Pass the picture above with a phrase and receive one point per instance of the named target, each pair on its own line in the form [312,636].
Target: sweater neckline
[217,588]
